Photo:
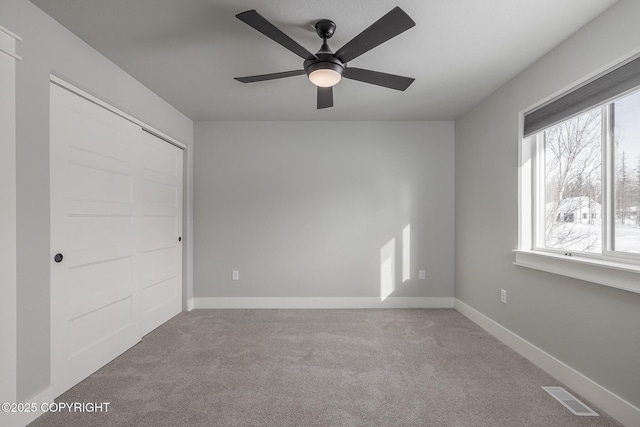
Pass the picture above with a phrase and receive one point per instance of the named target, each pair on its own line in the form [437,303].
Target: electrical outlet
[503,296]
[422,274]
[236,275]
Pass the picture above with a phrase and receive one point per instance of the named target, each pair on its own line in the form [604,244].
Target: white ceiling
[188,51]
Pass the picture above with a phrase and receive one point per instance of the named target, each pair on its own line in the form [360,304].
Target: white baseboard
[331,302]
[614,405]
[190,304]
[12,419]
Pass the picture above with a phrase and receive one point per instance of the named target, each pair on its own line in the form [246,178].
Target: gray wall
[302,209]
[592,328]
[48,47]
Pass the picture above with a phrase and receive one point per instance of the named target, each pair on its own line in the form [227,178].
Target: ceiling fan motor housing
[326,60]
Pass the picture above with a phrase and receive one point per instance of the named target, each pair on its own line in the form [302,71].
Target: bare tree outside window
[573,181]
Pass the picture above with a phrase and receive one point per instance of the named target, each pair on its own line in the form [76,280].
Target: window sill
[609,273]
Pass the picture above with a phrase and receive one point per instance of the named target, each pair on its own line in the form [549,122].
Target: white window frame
[615,269]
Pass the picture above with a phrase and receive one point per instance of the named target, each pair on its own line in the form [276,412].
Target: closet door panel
[93,226]
[161,227]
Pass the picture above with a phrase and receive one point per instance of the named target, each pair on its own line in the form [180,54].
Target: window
[575,214]
[580,178]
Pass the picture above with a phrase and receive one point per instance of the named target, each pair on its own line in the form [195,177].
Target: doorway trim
[8,192]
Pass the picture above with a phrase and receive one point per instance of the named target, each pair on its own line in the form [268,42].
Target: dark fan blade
[255,20]
[385,28]
[325,97]
[377,78]
[272,76]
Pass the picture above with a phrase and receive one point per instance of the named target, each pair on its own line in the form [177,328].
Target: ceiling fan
[325,69]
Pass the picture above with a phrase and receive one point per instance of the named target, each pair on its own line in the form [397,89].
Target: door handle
[58,258]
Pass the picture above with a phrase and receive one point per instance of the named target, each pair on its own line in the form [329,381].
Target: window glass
[626,187]
[573,184]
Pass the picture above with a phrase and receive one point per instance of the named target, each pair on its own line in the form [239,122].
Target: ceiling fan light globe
[325,77]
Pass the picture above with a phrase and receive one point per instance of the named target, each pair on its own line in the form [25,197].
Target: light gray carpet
[389,367]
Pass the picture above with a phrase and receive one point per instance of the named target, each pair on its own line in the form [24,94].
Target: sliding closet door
[95,247]
[161,231]
[116,235]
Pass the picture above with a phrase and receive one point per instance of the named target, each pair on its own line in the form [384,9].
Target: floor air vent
[570,402]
